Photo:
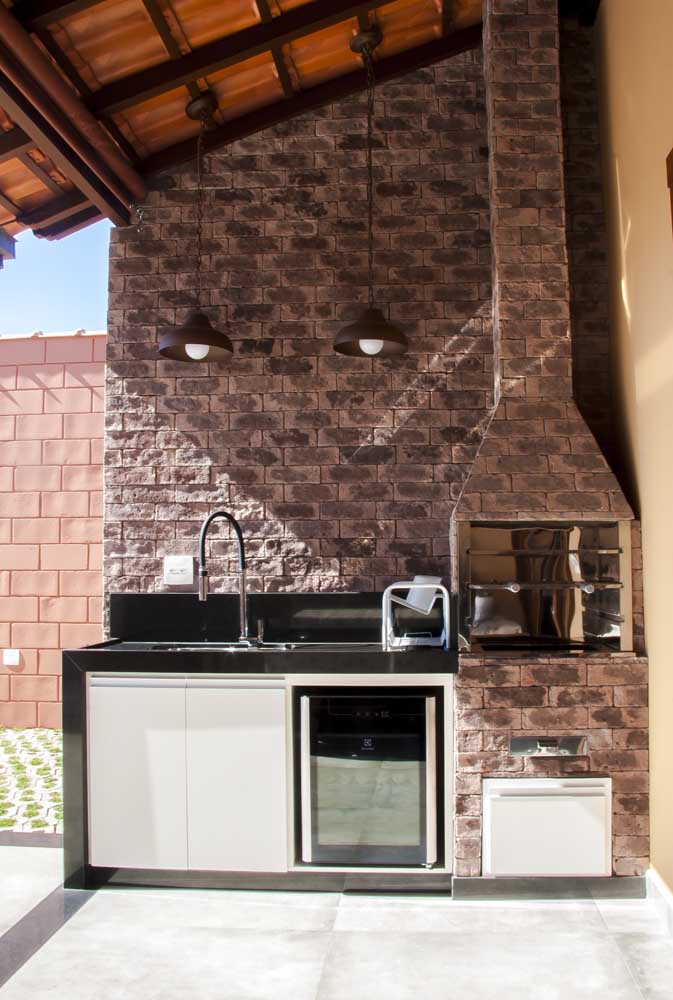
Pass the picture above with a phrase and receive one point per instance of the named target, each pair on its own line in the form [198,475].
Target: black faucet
[203,572]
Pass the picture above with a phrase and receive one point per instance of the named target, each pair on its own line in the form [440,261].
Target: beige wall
[636,71]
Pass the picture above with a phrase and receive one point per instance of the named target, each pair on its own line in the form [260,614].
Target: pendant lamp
[197,339]
[372,335]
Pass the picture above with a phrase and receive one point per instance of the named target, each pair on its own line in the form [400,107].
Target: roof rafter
[55,210]
[170,44]
[225,52]
[309,100]
[70,225]
[8,206]
[42,174]
[53,144]
[13,143]
[66,67]
[447,15]
[38,13]
[266,17]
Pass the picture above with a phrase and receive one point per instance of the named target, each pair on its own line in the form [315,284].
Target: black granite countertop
[330,658]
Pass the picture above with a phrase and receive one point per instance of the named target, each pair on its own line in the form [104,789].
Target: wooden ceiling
[132,66]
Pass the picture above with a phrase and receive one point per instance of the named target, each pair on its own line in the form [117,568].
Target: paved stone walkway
[30,780]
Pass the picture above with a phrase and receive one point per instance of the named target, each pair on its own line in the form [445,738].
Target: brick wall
[344,472]
[539,458]
[604,700]
[51,429]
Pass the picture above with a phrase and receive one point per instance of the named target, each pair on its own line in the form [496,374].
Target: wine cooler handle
[431,779]
[305,760]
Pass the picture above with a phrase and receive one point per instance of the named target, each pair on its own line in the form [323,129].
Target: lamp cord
[199,209]
[371,87]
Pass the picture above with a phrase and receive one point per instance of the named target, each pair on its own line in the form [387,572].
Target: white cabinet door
[136,772]
[236,775]
[548,826]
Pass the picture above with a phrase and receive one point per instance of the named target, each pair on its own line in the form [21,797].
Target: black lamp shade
[196,330]
[372,327]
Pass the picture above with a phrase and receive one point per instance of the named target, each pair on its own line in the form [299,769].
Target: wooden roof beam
[316,97]
[38,13]
[52,144]
[266,17]
[223,52]
[54,210]
[447,16]
[169,42]
[71,224]
[13,143]
[41,173]
[8,206]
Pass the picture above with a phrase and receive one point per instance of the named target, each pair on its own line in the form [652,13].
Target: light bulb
[197,352]
[370,346]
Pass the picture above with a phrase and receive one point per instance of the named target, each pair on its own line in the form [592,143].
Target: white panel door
[136,772]
[236,775]
[547,827]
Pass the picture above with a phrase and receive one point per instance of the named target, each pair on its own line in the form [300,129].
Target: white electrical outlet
[178,570]
[11,657]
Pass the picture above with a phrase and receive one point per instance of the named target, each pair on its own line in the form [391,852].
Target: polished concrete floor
[176,944]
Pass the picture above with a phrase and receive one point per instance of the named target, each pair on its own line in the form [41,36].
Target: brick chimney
[538,459]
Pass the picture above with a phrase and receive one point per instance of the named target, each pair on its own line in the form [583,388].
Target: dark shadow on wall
[587,236]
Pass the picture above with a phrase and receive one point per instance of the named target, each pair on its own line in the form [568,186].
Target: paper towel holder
[428,585]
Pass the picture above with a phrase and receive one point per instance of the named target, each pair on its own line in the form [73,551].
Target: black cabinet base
[306,881]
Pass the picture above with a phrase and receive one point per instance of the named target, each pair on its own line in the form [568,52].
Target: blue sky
[56,286]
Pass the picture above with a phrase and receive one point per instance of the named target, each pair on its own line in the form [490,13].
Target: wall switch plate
[11,657]
[178,570]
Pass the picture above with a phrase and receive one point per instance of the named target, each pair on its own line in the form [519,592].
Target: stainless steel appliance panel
[544,584]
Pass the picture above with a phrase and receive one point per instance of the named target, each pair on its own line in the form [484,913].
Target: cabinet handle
[137,681]
[580,793]
[244,682]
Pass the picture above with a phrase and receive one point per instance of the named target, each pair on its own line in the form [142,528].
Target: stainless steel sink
[246,647]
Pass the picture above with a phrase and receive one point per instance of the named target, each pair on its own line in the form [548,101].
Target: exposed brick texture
[540,461]
[343,471]
[51,525]
[530,281]
[538,458]
[605,700]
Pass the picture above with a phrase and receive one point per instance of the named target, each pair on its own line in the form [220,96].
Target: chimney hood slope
[539,461]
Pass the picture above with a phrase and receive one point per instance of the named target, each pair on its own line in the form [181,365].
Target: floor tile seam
[633,975]
[331,944]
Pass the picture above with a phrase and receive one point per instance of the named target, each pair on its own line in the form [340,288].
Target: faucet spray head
[203,584]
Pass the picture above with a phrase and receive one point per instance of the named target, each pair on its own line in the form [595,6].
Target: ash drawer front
[547,826]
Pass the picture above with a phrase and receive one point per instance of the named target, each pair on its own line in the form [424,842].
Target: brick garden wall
[51,526]
[343,472]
